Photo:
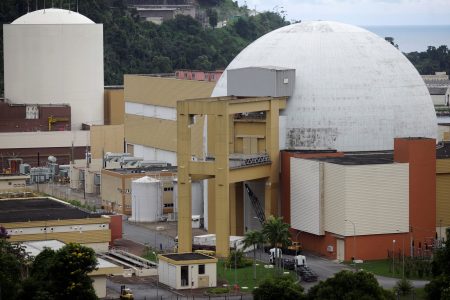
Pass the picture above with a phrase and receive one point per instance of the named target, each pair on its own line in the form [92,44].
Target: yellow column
[232,193]
[222,200]
[211,127]
[273,149]
[239,190]
[184,183]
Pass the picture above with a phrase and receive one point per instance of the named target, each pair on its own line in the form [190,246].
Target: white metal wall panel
[334,198]
[150,153]
[377,198]
[152,111]
[305,195]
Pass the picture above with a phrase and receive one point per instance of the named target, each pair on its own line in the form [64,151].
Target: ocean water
[414,38]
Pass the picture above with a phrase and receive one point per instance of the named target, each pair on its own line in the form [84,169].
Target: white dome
[53,16]
[353,92]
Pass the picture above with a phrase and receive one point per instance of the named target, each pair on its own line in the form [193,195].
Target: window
[201,269]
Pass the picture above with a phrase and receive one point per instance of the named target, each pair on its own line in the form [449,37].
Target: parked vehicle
[294,249]
[125,293]
[275,253]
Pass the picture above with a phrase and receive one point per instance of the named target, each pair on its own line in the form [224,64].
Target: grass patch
[416,294]
[244,275]
[218,290]
[383,268]
[149,254]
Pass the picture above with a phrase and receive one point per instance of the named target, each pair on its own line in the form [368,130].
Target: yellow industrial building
[234,155]
[39,219]
[150,114]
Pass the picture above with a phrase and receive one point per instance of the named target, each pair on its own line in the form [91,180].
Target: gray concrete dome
[354,91]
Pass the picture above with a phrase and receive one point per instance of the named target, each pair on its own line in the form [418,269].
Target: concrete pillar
[184,182]
[273,149]
[222,192]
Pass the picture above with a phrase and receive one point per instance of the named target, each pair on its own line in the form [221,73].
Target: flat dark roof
[39,209]
[443,150]
[360,159]
[187,256]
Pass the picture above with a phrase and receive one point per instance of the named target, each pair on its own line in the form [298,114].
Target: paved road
[147,237]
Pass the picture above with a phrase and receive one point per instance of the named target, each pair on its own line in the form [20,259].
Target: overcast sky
[361,12]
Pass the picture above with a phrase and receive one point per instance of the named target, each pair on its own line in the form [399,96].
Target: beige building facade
[150,114]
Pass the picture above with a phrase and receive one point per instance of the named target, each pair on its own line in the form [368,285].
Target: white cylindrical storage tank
[55,56]
[146,200]
[197,197]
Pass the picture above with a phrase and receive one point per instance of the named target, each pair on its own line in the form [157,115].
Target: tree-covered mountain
[132,45]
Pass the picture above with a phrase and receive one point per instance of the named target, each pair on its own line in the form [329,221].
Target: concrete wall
[106,138]
[99,285]
[114,106]
[442,194]
[12,183]
[57,64]
[13,140]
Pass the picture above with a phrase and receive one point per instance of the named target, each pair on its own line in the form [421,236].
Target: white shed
[187,270]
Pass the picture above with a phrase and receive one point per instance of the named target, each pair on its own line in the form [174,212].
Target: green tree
[282,287]
[213,17]
[276,232]
[349,285]
[61,274]
[253,238]
[10,270]
[439,287]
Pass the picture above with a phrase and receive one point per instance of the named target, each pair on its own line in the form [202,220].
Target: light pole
[157,274]
[393,256]
[235,265]
[403,255]
[354,242]
[295,258]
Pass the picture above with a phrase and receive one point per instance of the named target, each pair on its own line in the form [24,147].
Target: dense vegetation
[439,287]
[135,46]
[51,275]
[432,60]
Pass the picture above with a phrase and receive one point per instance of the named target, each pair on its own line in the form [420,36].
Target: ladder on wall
[256,205]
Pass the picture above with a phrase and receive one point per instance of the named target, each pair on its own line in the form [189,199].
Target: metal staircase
[256,205]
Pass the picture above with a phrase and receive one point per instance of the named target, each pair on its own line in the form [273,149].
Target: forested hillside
[135,46]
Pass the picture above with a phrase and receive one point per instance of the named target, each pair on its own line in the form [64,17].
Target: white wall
[306,200]
[334,198]
[56,64]
[150,153]
[44,139]
[99,285]
[375,197]
[152,111]
[439,99]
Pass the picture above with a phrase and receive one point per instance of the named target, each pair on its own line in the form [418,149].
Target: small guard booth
[187,270]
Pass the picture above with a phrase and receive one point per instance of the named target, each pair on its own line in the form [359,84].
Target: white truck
[275,253]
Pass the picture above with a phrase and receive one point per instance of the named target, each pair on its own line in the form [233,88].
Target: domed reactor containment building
[55,56]
[53,79]
[353,90]
[352,152]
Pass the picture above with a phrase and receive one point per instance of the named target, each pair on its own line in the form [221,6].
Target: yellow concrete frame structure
[220,111]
